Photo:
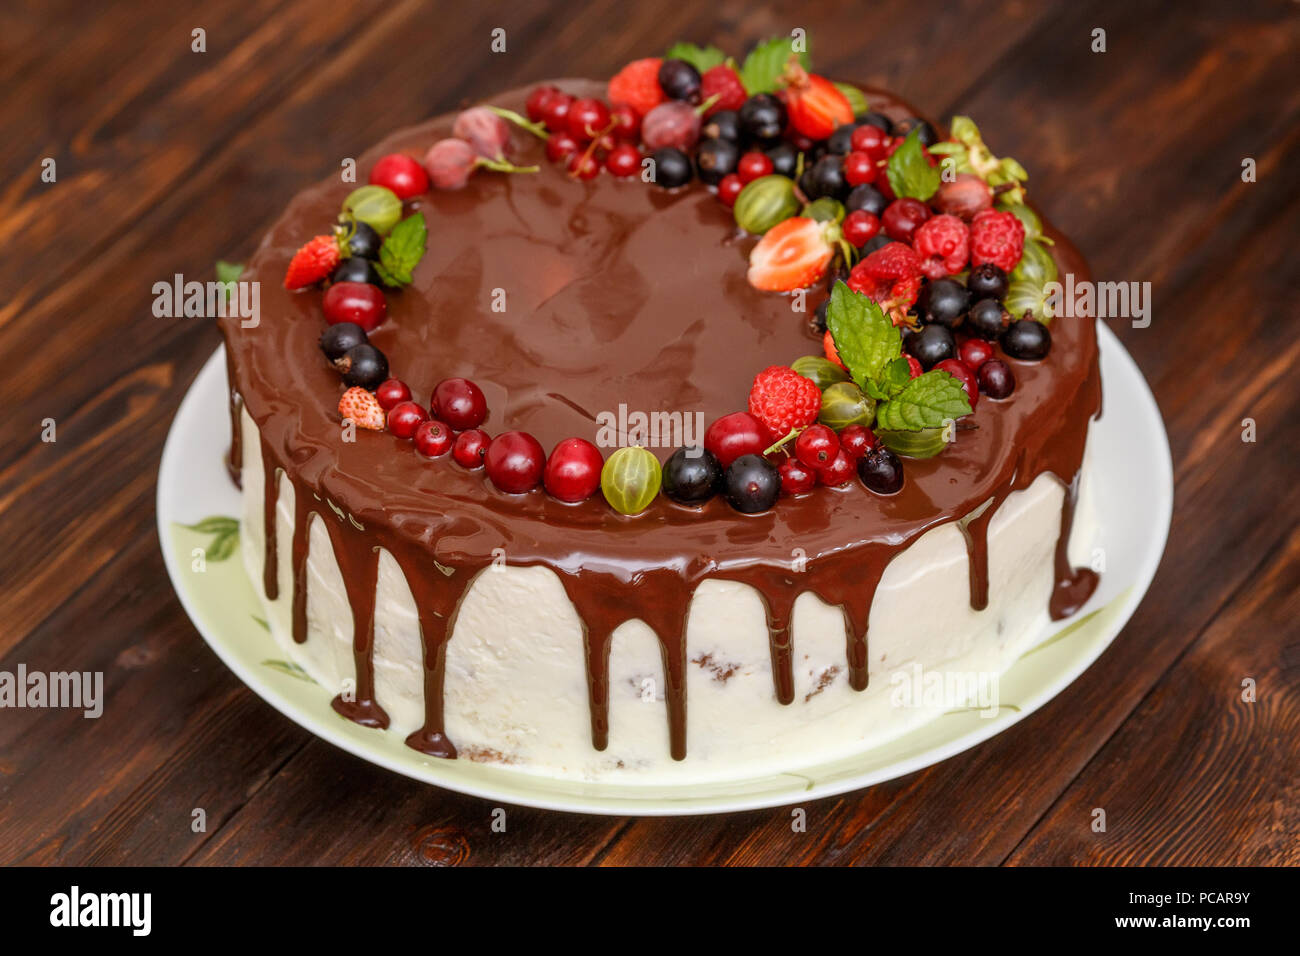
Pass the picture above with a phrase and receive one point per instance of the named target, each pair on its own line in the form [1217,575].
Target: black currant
[878,241]
[995,379]
[725,124]
[785,159]
[819,317]
[715,158]
[840,141]
[986,318]
[672,167]
[987,281]
[365,366]
[355,269]
[932,345]
[944,302]
[763,117]
[927,135]
[824,178]
[867,198]
[1027,339]
[881,471]
[752,484]
[878,120]
[337,339]
[679,80]
[364,241]
[692,476]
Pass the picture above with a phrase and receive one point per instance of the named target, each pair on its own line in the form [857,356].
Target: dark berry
[1027,339]
[867,198]
[785,159]
[841,141]
[878,241]
[987,281]
[691,476]
[751,484]
[355,269]
[878,120]
[470,447]
[672,167]
[459,403]
[364,241]
[716,158]
[932,345]
[339,338]
[995,378]
[927,135]
[679,80]
[763,117]
[986,318]
[943,302]
[825,178]
[724,124]
[881,471]
[365,365]
[819,317]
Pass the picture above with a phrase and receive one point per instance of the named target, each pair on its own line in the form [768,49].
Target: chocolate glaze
[616,292]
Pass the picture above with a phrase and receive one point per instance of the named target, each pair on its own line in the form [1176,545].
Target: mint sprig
[766,62]
[910,173]
[864,336]
[402,251]
[927,401]
[893,379]
[702,58]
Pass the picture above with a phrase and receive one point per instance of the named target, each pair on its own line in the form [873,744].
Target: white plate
[1134,496]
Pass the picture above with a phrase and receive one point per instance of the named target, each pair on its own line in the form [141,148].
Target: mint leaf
[765,64]
[893,379]
[228,273]
[402,251]
[926,401]
[864,336]
[857,99]
[910,173]
[702,58]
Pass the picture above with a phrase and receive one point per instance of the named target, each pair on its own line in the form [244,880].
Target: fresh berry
[637,85]
[943,302]
[724,83]
[857,440]
[925,132]
[815,104]
[623,160]
[796,478]
[470,448]
[996,380]
[362,409]
[859,168]
[729,188]
[336,340]
[739,433]
[792,255]
[714,159]
[483,129]
[355,302]
[753,165]
[986,318]
[514,462]
[859,227]
[583,165]
[626,122]
[903,217]
[878,120]
[838,471]
[931,345]
[404,418]
[672,124]
[588,118]
[1027,339]
[432,437]
[533,106]
[555,112]
[871,140]
[751,484]
[828,347]
[355,269]
[819,318]
[672,167]
[450,162]
[890,276]
[376,206]
[723,124]
[782,399]
[825,179]
[943,243]
[692,476]
[881,471]
[987,281]
[362,240]
[914,369]
[630,479]
[312,263]
[391,393]
[867,198]
[679,80]
[816,446]
[763,117]
[965,196]
[363,365]
[961,373]
[459,403]
[402,174]
[974,353]
[785,159]
[573,470]
[840,142]
[561,145]
[996,237]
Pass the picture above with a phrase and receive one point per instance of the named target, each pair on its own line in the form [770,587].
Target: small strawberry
[362,408]
[943,243]
[792,255]
[723,82]
[782,399]
[832,353]
[312,263]
[996,237]
[637,85]
[815,105]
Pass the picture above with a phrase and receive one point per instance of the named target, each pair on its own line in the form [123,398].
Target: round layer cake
[682,643]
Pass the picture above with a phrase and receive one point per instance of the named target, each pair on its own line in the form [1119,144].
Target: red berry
[815,104]
[514,462]
[583,165]
[731,436]
[828,346]
[432,438]
[587,119]
[913,366]
[450,163]
[358,302]
[533,106]
[623,160]
[560,146]
[943,243]
[860,227]
[573,470]
[964,375]
[470,447]
[459,403]
[400,173]
[890,276]
[966,196]
[483,129]
[627,122]
[859,168]
[791,255]
[752,165]
[392,392]
[996,379]
[870,140]
[796,477]
[783,399]
[404,418]
[555,111]
[974,353]
[903,217]
[673,123]
[724,83]
[816,446]
[996,237]
[840,470]
[637,85]
[729,188]
[857,440]
[312,263]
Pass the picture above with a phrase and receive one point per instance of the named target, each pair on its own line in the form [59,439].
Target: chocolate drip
[235,459]
[596,646]
[1073,585]
[358,560]
[270,501]
[302,517]
[976,532]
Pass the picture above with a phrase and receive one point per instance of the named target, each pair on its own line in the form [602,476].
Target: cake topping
[362,409]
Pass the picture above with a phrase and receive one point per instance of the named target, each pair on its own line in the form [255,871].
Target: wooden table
[168,159]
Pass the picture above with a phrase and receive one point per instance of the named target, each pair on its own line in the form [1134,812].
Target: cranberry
[731,436]
[573,470]
[404,418]
[470,448]
[358,302]
[729,188]
[860,227]
[555,111]
[583,165]
[623,160]
[796,477]
[859,168]
[974,353]
[537,100]
[400,173]
[560,146]
[964,375]
[587,119]
[996,379]
[392,392]
[753,165]
[839,471]
[627,122]
[816,446]
[903,217]
[432,438]
[459,403]
[870,140]
[857,440]
[514,462]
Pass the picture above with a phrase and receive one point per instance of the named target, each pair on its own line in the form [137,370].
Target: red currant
[731,436]
[903,217]
[536,101]
[964,375]
[796,477]
[623,160]
[729,188]
[358,302]
[860,227]
[573,470]
[816,446]
[587,119]
[555,111]
[857,440]
[753,165]
[870,140]
[839,471]
[404,418]
[913,366]
[514,462]
[859,168]
[583,165]
[400,173]
[627,122]
[432,438]
[974,353]
[560,146]
[459,403]
[470,447]
[392,392]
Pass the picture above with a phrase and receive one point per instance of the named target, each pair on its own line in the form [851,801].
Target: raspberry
[943,243]
[312,263]
[782,399]
[723,82]
[890,276]
[637,85]
[996,237]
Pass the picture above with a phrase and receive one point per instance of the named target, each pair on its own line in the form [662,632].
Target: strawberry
[792,255]
[723,82]
[312,263]
[816,107]
[832,353]
[996,237]
[637,85]
[362,408]
[782,399]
